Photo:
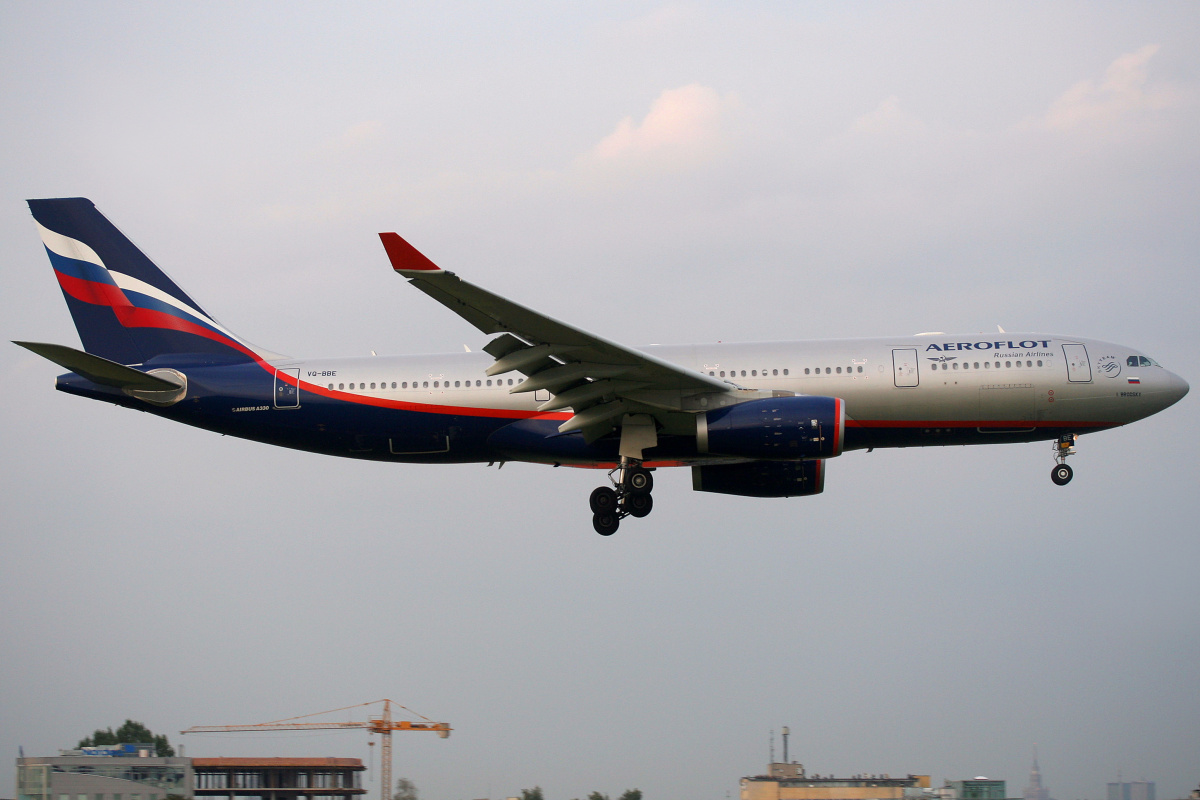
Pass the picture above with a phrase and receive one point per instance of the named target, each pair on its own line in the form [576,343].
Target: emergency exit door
[287,388]
[904,366]
[1079,368]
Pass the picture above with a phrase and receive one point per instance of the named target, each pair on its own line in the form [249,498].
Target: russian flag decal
[1135,381]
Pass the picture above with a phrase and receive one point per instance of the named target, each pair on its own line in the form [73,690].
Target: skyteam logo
[1109,366]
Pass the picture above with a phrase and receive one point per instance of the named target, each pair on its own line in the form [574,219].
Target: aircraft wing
[598,379]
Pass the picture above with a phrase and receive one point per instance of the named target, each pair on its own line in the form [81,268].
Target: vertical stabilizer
[125,308]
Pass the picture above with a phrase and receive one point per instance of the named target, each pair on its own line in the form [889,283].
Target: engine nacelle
[762,478]
[777,428]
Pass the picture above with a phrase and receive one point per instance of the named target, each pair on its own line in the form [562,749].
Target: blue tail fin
[125,308]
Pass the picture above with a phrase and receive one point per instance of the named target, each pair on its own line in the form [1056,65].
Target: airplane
[756,419]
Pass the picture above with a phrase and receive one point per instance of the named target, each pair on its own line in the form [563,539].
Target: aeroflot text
[1026,345]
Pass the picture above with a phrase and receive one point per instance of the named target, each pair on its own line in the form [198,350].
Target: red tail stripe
[98,294]
[134,317]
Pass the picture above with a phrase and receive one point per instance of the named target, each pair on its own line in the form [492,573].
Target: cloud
[1125,90]
[888,118]
[684,127]
[362,133]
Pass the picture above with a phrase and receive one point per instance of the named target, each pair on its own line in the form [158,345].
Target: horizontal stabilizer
[99,370]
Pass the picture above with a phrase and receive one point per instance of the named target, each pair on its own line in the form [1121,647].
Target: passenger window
[839,370]
[510,380]
[1018,364]
[806,370]
[828,371]
[956,365]
[372,384]
[774,372]
[722,373]
[1039,362]
[712,374]
[331,386]
[753,373]
[785,372]
[425,384]
[341,386]
[457,384]
[860,369]
[743,373]
[987,365]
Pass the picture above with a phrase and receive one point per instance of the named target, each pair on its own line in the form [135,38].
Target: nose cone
[1177,387]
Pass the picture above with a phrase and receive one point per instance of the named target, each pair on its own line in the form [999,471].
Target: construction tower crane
[382,724]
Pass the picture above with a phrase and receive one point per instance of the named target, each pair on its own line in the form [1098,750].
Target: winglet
[404,257]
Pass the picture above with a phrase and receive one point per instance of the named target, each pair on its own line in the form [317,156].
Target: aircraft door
[904,363]
[1079,368]
[287,388]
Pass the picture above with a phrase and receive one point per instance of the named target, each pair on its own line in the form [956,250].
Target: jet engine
[762,478]
[776,428]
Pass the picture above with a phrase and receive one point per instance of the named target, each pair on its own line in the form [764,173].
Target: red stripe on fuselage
[958,423]
[425,408]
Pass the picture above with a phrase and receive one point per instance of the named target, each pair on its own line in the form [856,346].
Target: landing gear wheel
[638,505]
[606,523]
[1061,474]
[639,481]
[603,501]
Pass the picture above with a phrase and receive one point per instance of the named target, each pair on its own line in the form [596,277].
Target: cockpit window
[1141,361]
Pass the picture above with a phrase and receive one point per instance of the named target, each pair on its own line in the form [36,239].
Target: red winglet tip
[405,257]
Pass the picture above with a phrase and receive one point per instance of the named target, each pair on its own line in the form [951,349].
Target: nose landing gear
[629,497]
[1061,474]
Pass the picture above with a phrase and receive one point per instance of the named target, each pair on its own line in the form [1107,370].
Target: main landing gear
[630,497]
[1061,474]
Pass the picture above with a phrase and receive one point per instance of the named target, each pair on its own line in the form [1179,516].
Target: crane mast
[382,724]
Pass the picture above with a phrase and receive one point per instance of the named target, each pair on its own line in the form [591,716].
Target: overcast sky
[668,173]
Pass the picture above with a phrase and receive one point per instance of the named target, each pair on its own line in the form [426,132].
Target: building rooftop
[211,763]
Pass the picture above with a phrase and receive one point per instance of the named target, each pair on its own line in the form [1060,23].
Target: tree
[129,733]
[532,794]
[597,796]
[632,794]
[405,790]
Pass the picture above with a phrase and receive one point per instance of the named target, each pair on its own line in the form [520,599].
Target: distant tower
[1035,790]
